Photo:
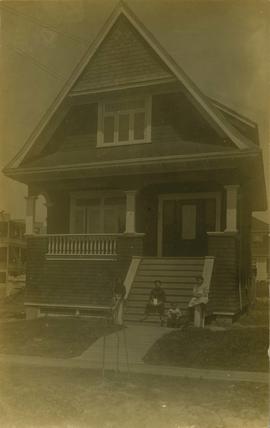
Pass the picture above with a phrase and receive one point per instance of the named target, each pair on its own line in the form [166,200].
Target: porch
[95,235]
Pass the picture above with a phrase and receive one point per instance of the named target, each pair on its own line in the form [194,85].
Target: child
[156,303]
[173,316]
[200,297]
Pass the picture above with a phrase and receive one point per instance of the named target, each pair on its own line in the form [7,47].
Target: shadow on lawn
[52,337]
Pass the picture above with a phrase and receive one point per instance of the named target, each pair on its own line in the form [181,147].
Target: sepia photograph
[134,213]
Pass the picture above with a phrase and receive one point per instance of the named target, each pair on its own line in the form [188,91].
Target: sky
[222,45]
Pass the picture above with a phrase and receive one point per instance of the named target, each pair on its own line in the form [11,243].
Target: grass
[256,316]
[226,350]
[51,337]
[50,398]
[243,347]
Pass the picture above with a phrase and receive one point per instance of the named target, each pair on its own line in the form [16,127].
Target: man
[156,303]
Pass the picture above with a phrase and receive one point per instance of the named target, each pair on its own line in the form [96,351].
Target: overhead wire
[39,23]
[43,25]
[37,63]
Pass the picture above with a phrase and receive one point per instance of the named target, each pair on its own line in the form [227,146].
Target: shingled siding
[123,58]
[75,281]
[224,292]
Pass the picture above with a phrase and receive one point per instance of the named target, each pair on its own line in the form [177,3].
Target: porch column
[30,215]
[130,211]
[231,208]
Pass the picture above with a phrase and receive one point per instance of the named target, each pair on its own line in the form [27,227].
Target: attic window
[124,122]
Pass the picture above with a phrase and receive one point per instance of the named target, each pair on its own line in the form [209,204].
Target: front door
[184,226]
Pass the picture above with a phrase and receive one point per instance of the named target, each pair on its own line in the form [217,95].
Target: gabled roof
[207,108]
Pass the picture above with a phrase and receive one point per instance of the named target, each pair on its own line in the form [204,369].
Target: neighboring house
[12,248]
[145,177]
[260,249]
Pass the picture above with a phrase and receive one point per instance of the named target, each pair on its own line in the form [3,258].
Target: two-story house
[145,177]
[12,250]
[260,232]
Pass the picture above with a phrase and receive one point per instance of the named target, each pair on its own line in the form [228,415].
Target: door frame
[185,196]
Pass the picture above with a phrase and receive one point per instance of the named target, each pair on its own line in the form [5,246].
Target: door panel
[184,228]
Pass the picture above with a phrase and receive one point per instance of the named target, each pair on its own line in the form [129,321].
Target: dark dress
[156,302]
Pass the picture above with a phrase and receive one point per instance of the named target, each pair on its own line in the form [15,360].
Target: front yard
[232,349]
[243,346]
[50,398]
[51,337]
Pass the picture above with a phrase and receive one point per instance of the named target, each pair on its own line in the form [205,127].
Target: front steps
[177,276]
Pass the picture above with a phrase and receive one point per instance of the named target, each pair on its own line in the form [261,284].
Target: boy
[173,316]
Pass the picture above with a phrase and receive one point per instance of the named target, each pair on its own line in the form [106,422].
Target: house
[12,251]
[144,177]
[260,233]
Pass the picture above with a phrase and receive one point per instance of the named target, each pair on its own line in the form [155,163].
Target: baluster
[110,246]
[102,242]
[53,244]
[90,246]
[83,245]
[49,245]
[72,246]
[64,249]
[67,245]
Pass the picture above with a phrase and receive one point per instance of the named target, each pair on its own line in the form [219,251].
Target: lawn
[257,315]
[226,350]
[62,398]
[51,337]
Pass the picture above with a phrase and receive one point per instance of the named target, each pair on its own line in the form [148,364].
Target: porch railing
[82,245]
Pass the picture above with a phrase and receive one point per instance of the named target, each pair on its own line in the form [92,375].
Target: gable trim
[240,141]
[74,94]
[135,161]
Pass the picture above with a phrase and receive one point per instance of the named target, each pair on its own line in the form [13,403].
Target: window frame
[102,205]
[147,110]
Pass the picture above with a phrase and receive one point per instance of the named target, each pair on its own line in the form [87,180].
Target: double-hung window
[124,122]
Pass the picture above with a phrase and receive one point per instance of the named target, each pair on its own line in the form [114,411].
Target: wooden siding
[224,292]
[75,282]
[123,58]
[177,128]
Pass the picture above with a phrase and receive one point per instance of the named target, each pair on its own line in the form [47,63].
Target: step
[170,282]
[167,277]
[172,262]
[172,291]
[175,268]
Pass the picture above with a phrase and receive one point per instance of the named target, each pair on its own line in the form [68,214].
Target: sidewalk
[130,345]
[139,368]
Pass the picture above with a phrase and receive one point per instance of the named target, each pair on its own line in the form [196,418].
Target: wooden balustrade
[82,245]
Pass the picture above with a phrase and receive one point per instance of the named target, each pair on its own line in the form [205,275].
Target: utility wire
[41,24]
[35,61]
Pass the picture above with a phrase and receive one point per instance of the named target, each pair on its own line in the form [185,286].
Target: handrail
[199,314]
[131,273]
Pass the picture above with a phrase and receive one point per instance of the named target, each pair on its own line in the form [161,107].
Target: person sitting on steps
[199,299]
[156,302]
[174,316]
